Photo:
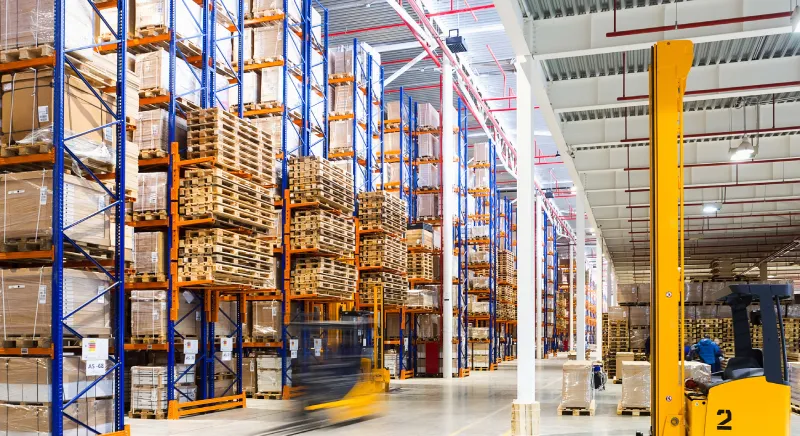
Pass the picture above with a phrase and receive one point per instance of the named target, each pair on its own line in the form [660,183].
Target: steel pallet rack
[62,62]
[461,229]
[311,124]
[548,296]
[504,234]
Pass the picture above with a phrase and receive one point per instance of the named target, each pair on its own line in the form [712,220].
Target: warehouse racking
[63,148]
[461,247]
[550,272]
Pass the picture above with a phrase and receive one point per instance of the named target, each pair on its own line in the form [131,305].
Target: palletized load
[341,140]
[476,307]
[383,251]
[479,355]
[150,257]
[235,143]
[478,333]
[506,268]
[30,24]
[393,286]
[506,311]
[635,386]
[420,236]
[28,114]
[157,375]
[228,199]
[322,230]
[265,321]
[268,374]
[26,314]
[155,79]
[151,202]
[31,419]
[577,389]
[26,208]
[381,210]
[316,180]
[226,257]
[323,277]
[427,117]
[28,380]
[428,206]
[148,316]
[152,133]
[423,298]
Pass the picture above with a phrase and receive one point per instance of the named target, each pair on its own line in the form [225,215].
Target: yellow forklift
[751,396]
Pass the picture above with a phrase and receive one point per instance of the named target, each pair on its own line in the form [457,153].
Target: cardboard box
[153,68]
[419,238]
[623,356]
[639,316]
[617,313]
[149,314]
[635,385]
[29,23]
[155,398]
[341,136]
[576,387]
[27,379]
[268,374]
[155,14]
[26,420]
[28,115]
[27,295]
[157,375]
[697,371]
[427,116]
[627,293]
[152,132]
[248,46]
[150,253]
[152,192]
[26,208]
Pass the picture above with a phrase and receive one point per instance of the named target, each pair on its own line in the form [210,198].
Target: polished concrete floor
[479,405]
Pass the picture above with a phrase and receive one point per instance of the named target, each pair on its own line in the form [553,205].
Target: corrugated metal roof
[545,9]
[707,53]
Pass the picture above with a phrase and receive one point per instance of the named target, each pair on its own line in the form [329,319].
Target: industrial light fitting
[455,43]
[796,19]
[711,208]
[743,151]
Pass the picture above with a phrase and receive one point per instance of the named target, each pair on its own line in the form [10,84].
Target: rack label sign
[226,345]
[44,114]
[188,359]
[226,356]
[317,346]
[190,346]
[294,344]
[95,367]
[94,349]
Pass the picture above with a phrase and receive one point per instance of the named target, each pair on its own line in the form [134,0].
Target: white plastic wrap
[478,333]
[428,146]
[576,386]
[155,14]
[636,385]
[428,205]
[428,176]
[28,23]
[697,371]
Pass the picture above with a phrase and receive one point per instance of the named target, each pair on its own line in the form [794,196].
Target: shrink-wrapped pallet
[794,382]
[428,176]
[423,297]
[152,17]
[150,255]
[428,205]
[26,208]
[427,116]
[266,319]
[152,195]
[157,375]
[27,380]
[247,54]
[428,146]
[268,45]
[270,88]
[31,419]
[154,70]
[249,375]
[621,358]
[26,309]
[636,385]
[341,133]
[27,23]
[429,326]
[149,315]
[576,386]
[697,371]
[393,111]
[713,291]
[419,236]
[478,333]
[268,374]
[479,178]
[481,152]
[643,293]
[28,114]
[250,93]
[693,293]
[189,309]
[638,337]
[154,399]
[152,133]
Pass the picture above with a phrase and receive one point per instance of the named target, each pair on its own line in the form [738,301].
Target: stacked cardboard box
[151,201]
[148,316]
[635,386]
[577,389]
[426,297]
[420,236]
[149,387]
[265,321]
[268,374]
[150,257]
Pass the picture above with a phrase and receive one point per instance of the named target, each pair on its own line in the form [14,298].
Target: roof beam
[736,79]
[587,34]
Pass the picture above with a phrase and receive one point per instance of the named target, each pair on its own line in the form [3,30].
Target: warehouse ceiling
[489,56]
[745,82]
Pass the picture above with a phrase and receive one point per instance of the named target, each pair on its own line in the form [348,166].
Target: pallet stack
[617,339]
[321,230]
[220,197]
[506,268]
[149,387]
[420,266]
[382,256]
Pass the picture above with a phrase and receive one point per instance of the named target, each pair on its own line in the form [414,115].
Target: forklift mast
[669,67]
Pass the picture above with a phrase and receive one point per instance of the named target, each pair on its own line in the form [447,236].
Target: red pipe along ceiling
[720,217]
[697,24]
[764,200]
[725,163]
[469,10]
[712,134]
[715,90]
[725,185]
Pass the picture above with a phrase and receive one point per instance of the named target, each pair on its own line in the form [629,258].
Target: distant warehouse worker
[710,353]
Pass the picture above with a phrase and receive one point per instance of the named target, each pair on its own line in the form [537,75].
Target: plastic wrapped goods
[481,152]
[712,291]
[248,46]
[478,307]
[27,294]
[34,420]
[155,398]
[636,385]
[429,326]
[268,374]
[152,133]
[152,192]
[639,337]
[576,386]
[154,70]
[427,116]
[343,99]
[249,90]
[27,116]
[266,321]
[479,333]
[150,254]
[27,23]
[621,358]
[26,209]
[149,314]
[697,371]
[249,375]
[428,146]
[155,14]
[640,316]
[27,380]
[268,44]
[693,293]
[341,134]
[794,381]
[479,178]
[428,205]
[157,375]
[271,86]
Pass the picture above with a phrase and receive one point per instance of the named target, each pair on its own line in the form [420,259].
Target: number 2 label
[723,425]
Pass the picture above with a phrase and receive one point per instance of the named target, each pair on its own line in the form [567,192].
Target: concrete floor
[479,405]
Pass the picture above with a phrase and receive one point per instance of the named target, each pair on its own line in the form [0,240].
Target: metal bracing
[461,230]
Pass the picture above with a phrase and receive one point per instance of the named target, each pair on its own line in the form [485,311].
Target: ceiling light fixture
[743,151]
[711,208]
[796,19]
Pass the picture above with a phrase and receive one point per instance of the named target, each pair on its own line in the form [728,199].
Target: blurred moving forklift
[751,396]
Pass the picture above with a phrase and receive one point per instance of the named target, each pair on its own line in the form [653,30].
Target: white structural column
[447,212]
[571,310]
[580,242]
[525,410]
[539,273]
[599,298]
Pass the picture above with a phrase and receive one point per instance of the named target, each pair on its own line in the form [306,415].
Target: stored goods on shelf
[268,374]
[341,137]
[27,380]
[428,206]
[428,176]
[393,286]
[479,355]
[428,147]
[227,257]
[154,67]
[28,24]
[313,179]
[426,297]
[154,399]
[636,385]
[322,230]
[151,203]
[152,133]
[429,326]
[420,266]
[150,259]
[27,310]
[323,277]
[265,321]
[152,18]
[149,316]
[420,236]
[427,116]
[249,375]
[478,333]
[157,375]
[24,419]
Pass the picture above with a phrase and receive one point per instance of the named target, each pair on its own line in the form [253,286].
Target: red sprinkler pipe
[732,133]
[726,163]
[726,185]
[411,88]
[700,203]
[697,24]
[713,90]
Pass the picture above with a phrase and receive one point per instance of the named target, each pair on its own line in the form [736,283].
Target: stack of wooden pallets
[506,269]
[324,277]
[420,266]
[322,238]
[228,257]
[616,341]
[382,256]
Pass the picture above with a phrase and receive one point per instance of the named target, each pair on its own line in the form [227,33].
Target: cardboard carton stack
[635,387]
[150,257]
[577,389]
[151,201]
[265,321]
[148,317]
[149,386]
[268,374]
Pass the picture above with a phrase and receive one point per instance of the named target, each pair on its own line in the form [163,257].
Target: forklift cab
[769,362]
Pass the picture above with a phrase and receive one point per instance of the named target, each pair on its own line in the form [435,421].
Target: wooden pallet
[148,414]
[795,408]
[149,215]
[266,395]
[632,411]
[146,277]
[25,53]
[577,411]
[147,340]
[152,153]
